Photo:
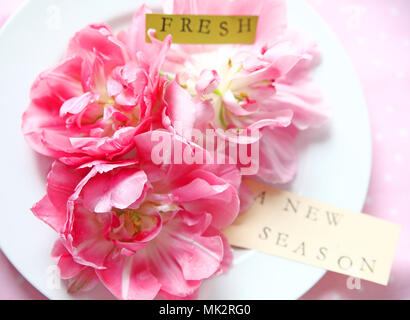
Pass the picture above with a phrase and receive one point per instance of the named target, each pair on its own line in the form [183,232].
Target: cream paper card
[203,29]
[286,225]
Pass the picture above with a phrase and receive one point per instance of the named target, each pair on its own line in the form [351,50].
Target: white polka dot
[400,75]
[377,62]
[379,137]
[388,177]
[406,43]
[398,158]
[361,41]
[383,36]
[390,109]
[404,133]
[393,212]
[394,11]
[336,296]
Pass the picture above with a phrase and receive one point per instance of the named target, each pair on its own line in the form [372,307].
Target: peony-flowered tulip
[107,90]
[264,86]
[142,229]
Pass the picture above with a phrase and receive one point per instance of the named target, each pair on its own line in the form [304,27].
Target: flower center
[135,222]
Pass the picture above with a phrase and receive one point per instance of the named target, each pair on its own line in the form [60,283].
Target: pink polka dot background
[376,35]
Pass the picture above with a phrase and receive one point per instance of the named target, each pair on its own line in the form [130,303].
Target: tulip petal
[207,83]
[45,211]
[61,183]
[278,161]
[85,281]
[129,278]
[105,192]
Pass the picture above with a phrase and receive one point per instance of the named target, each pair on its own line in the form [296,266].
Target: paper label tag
[203,29]
[289,226]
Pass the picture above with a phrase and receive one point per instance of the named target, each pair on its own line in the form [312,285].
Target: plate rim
[23,7]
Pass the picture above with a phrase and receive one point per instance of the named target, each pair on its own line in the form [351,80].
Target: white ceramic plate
[334,166]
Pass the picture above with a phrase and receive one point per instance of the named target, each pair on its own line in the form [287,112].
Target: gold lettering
[224,29]
[346,259]
[281,240]
[333,218]
[312,213]
[302,248]
[265,235]
[294,207]
[248,24]
[186,23]
[165,24]
[322,252]
[366,264]
[204,23]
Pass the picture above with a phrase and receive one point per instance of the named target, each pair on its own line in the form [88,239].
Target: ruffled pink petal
[244,80]
[278,155]
[168,272]
[296,56]
[35,122]
[121,142]
[204,114]
[105,192]
[45,211]
[133,38]
[129,278]
[58,250]
[151,54]
[48,93]
[246,196]
[189,255]
[84,238]
[199,257]
[245,137]
[302,46]
[237,108]
[197,189]
[80,278]
[84,231]
[208,82]
[57,85]
[68,267]
[181,109]
[159,49]
[227,258]
[220,199]
[61,183]
[229,173]
[285,56]
[114,87]
[85,281]
[130,244]
[305,101]
[275,119]
[272,21]
[98,40]
[77,104]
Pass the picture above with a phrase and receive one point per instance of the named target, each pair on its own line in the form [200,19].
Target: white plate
[334,167]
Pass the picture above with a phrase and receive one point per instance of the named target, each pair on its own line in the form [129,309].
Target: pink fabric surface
[376,35]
